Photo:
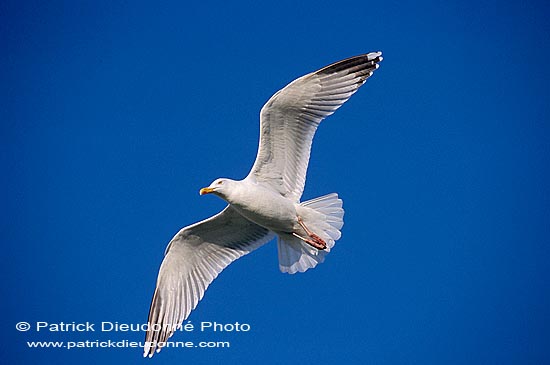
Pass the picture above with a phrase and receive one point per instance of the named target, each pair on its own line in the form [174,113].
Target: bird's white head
[218,187]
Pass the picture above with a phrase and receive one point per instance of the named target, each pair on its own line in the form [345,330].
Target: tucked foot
[313,240]
[317,242]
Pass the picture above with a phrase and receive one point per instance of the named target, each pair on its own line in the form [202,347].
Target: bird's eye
[220,182]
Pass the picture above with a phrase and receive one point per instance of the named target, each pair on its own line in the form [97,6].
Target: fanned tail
[324,216]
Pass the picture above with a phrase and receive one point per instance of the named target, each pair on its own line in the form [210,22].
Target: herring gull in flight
[264,205]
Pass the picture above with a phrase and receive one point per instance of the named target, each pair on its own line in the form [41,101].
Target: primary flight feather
[264,205]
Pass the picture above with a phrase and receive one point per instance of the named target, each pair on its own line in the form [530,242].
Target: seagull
[265,204]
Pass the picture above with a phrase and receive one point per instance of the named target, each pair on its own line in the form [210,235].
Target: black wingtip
[354,63]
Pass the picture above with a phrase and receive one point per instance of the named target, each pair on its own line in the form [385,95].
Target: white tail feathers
[324,217]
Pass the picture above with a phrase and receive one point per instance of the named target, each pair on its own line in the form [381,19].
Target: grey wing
[193,259]
[289,119]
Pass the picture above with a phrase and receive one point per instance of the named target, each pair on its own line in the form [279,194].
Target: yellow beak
[205,191]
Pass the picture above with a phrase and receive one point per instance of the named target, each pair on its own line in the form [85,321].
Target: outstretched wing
[195,257]
[289,119]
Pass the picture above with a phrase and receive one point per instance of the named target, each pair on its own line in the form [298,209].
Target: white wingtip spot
[373,55]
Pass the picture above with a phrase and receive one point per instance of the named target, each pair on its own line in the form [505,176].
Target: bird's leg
[314,239]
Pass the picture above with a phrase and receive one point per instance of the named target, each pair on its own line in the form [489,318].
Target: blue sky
[114,114]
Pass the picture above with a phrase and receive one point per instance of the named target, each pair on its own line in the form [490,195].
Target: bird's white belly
[268,209]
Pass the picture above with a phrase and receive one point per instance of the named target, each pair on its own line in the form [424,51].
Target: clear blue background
[114,114]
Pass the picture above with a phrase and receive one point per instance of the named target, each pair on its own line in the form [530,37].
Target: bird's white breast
[264,207]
